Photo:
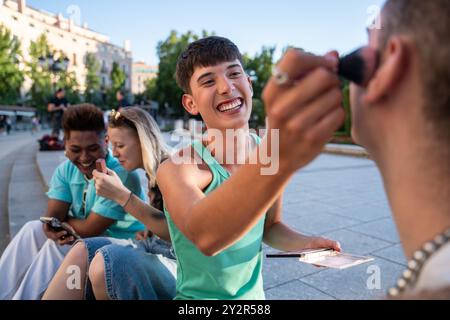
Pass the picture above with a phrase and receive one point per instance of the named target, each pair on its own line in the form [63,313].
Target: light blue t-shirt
[69,185]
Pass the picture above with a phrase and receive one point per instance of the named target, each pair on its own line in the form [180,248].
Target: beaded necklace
[415,265]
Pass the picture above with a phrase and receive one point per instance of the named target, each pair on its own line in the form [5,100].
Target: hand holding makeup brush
[303,100]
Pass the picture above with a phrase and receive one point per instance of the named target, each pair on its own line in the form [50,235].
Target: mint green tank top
[236,272]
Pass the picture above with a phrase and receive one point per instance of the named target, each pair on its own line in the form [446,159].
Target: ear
[390,72]
[189,104]
[250,84]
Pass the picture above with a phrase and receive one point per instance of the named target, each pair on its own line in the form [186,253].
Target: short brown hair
[204,53]
[83,117]
[428,24]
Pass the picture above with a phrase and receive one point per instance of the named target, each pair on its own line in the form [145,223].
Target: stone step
[26,194]
[6,165]
[47,162]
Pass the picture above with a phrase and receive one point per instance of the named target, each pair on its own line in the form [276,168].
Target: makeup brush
[359,66]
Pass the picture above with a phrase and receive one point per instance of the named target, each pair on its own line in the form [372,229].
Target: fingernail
[333,59]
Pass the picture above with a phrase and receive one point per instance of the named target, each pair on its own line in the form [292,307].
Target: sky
[317,26]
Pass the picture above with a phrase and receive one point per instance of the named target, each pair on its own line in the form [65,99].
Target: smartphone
[57,226]
[100,165]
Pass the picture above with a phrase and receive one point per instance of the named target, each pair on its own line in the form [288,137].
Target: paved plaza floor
[341,198]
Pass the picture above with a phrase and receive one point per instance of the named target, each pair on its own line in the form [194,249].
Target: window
[74,40]
[74,59]
[31,25]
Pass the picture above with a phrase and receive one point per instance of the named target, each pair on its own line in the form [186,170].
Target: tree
[148,94]
[259,68]
[46,79]
[118,79]
[166,89]
[68,81]
[92,91]
[11,77]
[41,87]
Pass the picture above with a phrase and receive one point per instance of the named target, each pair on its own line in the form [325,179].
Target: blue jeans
[135,270]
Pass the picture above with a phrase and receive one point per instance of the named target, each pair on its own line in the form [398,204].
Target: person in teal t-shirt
[35,253]
[219,201]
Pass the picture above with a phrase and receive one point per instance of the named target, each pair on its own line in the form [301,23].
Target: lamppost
[54,66]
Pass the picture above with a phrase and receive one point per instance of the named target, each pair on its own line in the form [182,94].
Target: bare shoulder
[184,167]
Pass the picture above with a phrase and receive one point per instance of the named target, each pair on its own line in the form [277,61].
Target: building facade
[141,73]
[27,24]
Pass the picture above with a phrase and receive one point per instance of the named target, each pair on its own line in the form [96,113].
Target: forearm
[57,209]
[228,213]
[281,237]
[152,218]
[61,216]
[83,228]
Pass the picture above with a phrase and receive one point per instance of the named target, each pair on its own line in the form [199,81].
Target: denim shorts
[134,270]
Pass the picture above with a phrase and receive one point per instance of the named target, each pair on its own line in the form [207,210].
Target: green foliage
[148,94]
[258,117]
[166,90]
[118,79]
[41,87]
[259,68]
[45,80]
[345,130]
[92,93]
[68,81]
[11,77]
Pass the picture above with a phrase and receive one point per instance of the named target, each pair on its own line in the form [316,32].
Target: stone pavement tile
[392,253]
[364,212]
[25,184]
[300,196]
[352,283]
[296,290]
[318,223]
[306,208]
[381,203]
[327,162]
[384,229]
[278,271]
[356,243]
[344,197]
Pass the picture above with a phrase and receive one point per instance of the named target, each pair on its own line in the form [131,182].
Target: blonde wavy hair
[154,149]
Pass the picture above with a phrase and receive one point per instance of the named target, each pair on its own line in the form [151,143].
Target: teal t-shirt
[236,272]
[68,184]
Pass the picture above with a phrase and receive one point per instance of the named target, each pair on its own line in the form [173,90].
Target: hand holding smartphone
[57,226]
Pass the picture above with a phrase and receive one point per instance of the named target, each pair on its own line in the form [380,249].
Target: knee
[97,271]
[78,255]
[33,226]
[31,230]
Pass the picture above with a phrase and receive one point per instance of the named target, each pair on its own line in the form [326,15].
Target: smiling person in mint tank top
[220,210]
